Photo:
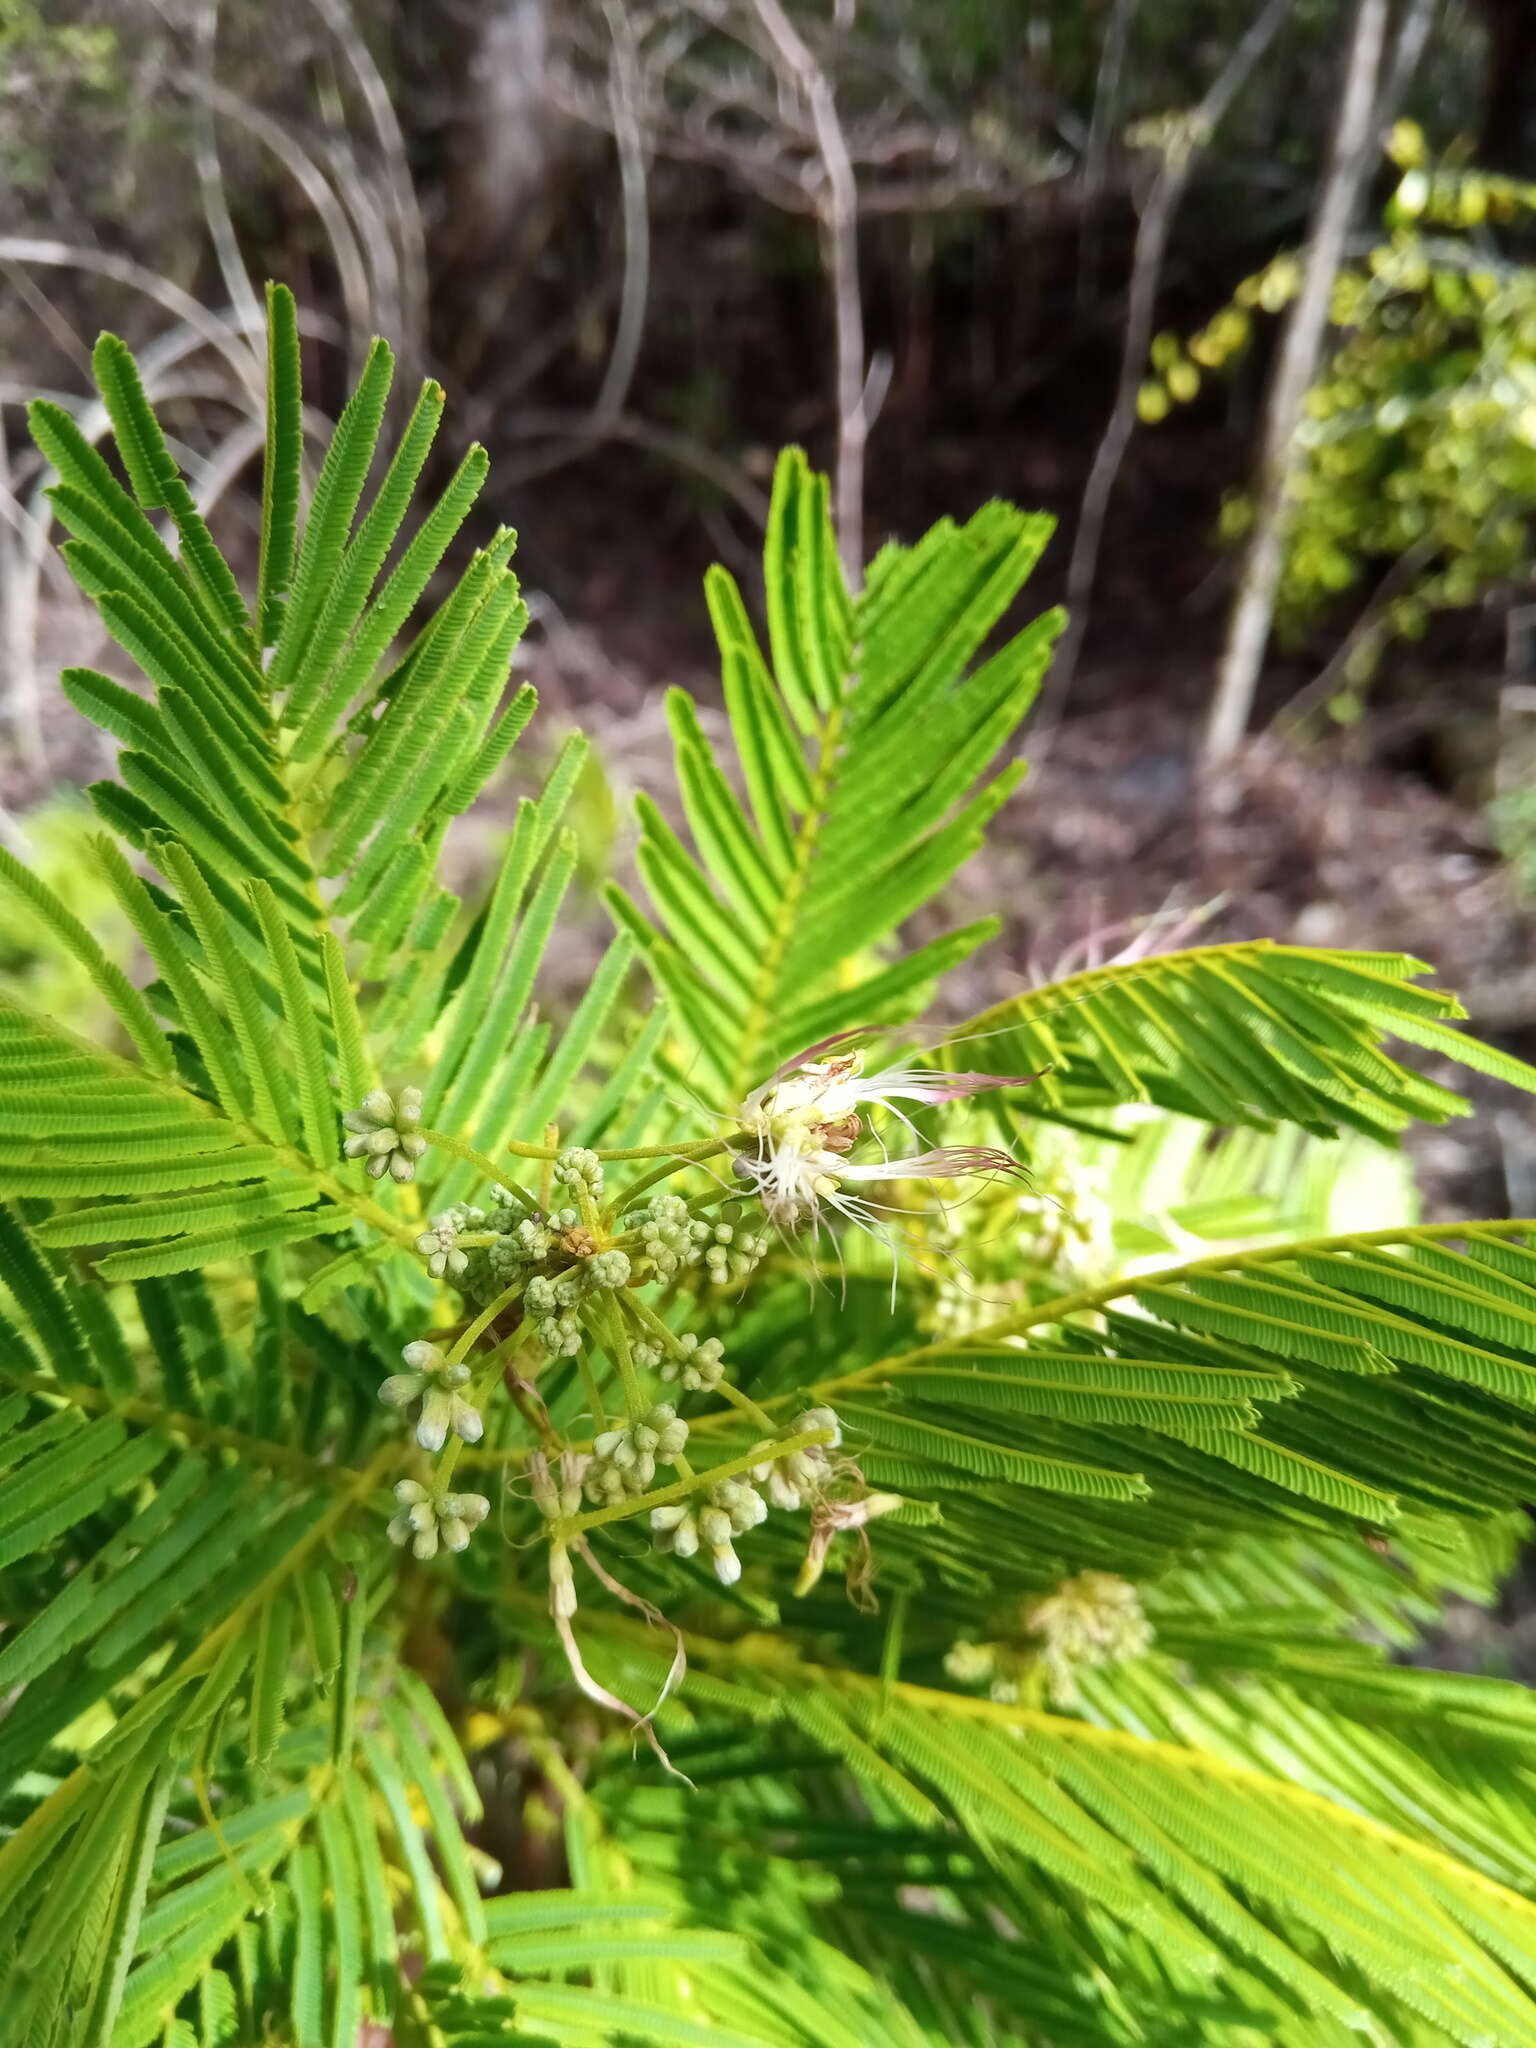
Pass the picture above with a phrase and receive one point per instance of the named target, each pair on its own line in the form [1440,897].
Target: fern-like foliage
[1052,1703]
[773,931]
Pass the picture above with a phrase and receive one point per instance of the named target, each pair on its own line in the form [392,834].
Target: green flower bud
[701,1369]
[608,1269]
[424,1521]
[562,1583]
[384,1133]
[576,1167]
[440,1247]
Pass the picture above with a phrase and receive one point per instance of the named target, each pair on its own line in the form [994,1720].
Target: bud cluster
[436,1384]
[440,1247]
[624,1461]
[578,1169]
[425,1519]
[563,1263]
[384,1132]
[670,1238]
[1095,1618]
[793,1476]
[702,1369]
[731,1255]
[551,1302]
[731,1507]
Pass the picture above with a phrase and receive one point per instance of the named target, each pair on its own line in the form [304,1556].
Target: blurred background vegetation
[1058,250]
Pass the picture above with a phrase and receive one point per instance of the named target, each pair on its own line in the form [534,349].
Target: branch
[838,211]
[623,103]
[1354,143]
[1146,270]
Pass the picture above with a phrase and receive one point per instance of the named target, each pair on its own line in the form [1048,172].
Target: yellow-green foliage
[1418,445]
[54,841]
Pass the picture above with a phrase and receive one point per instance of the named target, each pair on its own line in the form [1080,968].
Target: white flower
[805,1120]
[822,1097]
[794,1183]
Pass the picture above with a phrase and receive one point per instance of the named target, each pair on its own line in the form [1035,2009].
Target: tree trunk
[1354,143]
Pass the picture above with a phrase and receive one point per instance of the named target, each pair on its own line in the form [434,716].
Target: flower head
[436,1384]
[425,1519]
[823,1097]
[384,1132]
[804,1121]
[440,1247]
[1095,1618]
[731,1507]
[624,1461]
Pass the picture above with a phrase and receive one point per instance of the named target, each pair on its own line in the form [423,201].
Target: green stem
[700,1148]
[483,1321]
[593,1393]
[679,1157]
[745,1404]
[653,1324]
[617,1339]
[457,1149]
